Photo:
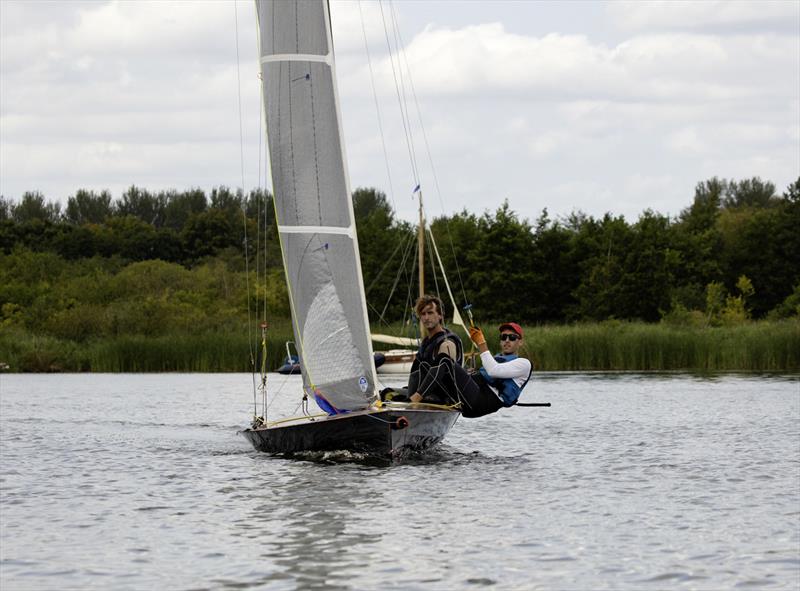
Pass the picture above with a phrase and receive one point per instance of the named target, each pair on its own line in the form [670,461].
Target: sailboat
[316,226]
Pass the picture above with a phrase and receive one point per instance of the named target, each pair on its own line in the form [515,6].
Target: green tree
[555,272]
[701,216]
[87,207]
[383,246]
[142,205]
[6,209]
[131,238]
[32,206]
[601,293]
[649,267]
[179,207]
[210,231]
[749,193]
[223,198]
[500,277]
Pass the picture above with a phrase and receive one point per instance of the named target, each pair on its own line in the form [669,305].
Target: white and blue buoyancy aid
[508,389]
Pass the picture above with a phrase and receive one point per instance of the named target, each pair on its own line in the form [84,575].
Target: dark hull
[383,432]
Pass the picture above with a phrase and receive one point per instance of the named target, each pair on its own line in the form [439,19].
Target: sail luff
[265,131]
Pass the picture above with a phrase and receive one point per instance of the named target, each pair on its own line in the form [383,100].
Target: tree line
[730,255]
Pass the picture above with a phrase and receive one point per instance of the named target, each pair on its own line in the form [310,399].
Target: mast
[421,247]
[421,263]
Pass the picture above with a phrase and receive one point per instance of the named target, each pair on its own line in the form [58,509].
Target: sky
[570,106]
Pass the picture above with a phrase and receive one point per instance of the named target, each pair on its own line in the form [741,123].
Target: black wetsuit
[441,380]
[433,373]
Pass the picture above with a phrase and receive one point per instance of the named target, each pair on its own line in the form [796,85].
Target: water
[629,481]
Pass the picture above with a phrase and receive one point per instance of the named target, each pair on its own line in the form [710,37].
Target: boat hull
[389,369]
[387,432]
[396,362]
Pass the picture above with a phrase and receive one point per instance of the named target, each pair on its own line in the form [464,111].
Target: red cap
[513,326]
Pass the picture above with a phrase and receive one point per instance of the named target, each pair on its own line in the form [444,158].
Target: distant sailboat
[317,232]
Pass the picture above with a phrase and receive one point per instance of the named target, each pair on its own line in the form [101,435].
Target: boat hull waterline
[388,431]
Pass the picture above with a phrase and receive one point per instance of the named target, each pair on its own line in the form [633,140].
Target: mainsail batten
[347,231]
[313,205]
[297,57]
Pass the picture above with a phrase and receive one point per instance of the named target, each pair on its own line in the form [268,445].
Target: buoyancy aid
[429,347]
[507,388]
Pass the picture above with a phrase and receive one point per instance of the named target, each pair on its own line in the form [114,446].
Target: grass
[609,346]
[754,346]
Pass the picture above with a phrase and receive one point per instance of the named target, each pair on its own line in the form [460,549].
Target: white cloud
[106,94]
[723,15]
[686,141]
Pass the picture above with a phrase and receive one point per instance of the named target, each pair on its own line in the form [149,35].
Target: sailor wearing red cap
[502,377]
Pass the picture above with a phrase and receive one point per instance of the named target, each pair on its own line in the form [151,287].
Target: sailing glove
[476,334]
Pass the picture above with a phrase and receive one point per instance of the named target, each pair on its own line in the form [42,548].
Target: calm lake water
[629,481]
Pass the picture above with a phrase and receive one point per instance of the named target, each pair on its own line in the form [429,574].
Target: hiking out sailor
[500,381]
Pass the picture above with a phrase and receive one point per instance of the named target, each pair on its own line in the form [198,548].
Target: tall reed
[755,346]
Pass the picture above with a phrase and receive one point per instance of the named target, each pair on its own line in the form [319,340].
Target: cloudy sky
[593,106]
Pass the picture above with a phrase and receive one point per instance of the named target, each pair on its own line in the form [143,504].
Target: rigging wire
[428,153]
[243,207]
[397,278]
[377,107]
[406,126]
[433,270]
[382,134]
[403,79]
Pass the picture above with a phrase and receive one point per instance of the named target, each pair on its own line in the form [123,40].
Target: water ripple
[627,482]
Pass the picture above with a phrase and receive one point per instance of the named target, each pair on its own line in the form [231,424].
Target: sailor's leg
[436,385]
[476,397]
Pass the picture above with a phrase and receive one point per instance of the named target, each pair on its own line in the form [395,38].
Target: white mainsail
[313,206]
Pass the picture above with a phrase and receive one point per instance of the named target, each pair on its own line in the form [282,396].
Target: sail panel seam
[296,57]
[344,231]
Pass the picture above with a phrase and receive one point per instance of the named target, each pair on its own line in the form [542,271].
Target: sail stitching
[296,57]
[346,230]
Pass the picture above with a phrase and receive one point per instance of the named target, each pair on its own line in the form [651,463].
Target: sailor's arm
[448,348]
[516,368]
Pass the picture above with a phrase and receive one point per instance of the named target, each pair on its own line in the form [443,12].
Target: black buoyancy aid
[429,347]
[507,388]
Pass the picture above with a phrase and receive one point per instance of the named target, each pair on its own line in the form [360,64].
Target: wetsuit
[432,373]
[499,383]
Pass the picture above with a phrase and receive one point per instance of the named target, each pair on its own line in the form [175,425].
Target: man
[500,381]
[440,352]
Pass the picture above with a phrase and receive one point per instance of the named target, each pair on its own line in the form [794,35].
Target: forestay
[313,205]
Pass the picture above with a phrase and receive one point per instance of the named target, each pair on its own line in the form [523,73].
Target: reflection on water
[628,481]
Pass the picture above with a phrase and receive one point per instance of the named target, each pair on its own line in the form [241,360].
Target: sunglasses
[509,337]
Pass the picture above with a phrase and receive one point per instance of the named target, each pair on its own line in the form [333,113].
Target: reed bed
[621,346]
[209,352]
[607,346]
